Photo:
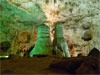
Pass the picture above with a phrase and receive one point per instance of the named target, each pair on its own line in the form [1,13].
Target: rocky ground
[50,65]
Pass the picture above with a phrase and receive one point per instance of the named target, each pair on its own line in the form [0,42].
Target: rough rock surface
[13,22]
[23,42]
[80,65]
[4,45]
[94,52]
[78,17]
[87,35]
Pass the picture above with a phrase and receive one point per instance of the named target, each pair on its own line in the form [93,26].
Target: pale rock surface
[60,42]
[75,14]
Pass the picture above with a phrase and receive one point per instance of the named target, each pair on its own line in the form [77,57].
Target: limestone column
[60,42]
[43,45]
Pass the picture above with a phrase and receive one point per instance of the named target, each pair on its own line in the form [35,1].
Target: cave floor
[29,66]
[50,66]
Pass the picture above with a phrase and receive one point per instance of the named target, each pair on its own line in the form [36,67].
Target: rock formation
[43,45]
[77,65]
[79,17]
[60,44]
[94,53]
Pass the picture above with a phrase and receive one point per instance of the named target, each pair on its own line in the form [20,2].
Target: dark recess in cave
[94,52]
[28,51]
[5,45]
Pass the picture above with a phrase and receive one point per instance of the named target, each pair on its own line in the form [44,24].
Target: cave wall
[80,20]
[16,27]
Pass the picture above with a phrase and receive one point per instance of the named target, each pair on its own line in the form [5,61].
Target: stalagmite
[43,45]
[61,46]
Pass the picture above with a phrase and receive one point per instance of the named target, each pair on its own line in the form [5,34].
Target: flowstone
[61,46]
[43,45]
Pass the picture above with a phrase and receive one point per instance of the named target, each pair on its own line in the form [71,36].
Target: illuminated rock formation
[60,44]
[23,42]
[43,45]
[78,16]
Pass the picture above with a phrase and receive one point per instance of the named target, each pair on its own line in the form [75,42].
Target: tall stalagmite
[60,44]
[43,45]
